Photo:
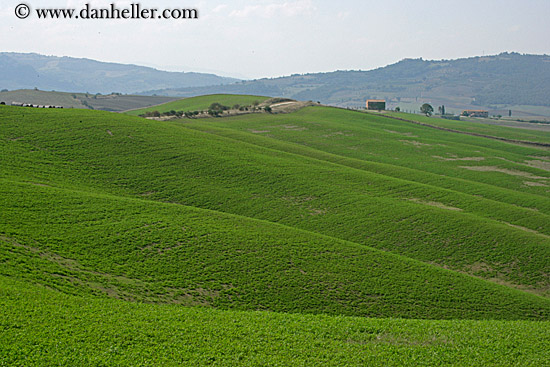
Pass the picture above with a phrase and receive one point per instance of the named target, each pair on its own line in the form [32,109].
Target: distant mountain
[30,70]
[489,81]
[497,83]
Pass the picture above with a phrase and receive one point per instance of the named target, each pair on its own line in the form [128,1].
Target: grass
[366,196]
[230,262]
[43,327]
[439,176]
[200,103]
[479,127]
[114,102]
[130,241]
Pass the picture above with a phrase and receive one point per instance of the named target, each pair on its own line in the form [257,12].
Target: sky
[271,38]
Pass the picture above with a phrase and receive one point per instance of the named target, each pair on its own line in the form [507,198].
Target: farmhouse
[475,113]
[376,104]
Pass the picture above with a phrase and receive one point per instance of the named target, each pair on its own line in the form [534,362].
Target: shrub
[218,107]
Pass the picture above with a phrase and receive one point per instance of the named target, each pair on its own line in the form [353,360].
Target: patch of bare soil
[303,202]
[544,165]
[535,184]
[455,158]
[541,288]
[283,104]
[527,230]
[503,170]
[435,203]
[399,133]
[289,106]
[415,143]
[293,127]
[337,133]
[540,157]
[480,266]
[39,184]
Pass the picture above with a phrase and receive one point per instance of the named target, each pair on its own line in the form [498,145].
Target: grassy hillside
[111,102]
[346,175]
[421,175]
[519,131]
[321,212]
[160,252]
[44,327]
[200,103]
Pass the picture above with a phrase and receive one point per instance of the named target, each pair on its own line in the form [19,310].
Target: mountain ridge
[495,82]
[498,83]
[69,74]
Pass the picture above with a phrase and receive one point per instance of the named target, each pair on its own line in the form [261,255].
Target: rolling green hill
[200,103]
[506,129]
[159,252]
[321,211]
[44,327]
[111,102]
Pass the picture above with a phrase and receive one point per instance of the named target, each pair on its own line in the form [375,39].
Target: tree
[397,109]
[427,109]
[218,107]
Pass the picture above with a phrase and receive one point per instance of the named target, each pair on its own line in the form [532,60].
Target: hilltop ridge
[69,74]
[498,83]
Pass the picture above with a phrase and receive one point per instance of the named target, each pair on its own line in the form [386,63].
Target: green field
[201,103]
[542,134]
[45,327]
[112,102]
[343,228]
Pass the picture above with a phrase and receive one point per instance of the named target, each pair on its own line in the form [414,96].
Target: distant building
[376,104]
[475,113]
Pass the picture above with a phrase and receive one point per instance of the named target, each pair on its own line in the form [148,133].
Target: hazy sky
[268,38]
